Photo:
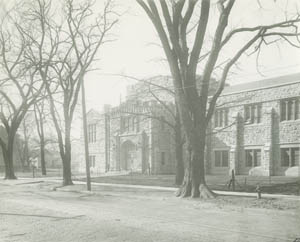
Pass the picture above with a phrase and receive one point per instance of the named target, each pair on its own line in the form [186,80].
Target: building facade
[126,138]
[134,136]
[255,131]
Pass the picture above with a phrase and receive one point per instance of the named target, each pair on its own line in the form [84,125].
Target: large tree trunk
[8,162]
[26,152]
[66,159]
[67,175]
[194,184]
[179,157]
[42,154]
[179,149]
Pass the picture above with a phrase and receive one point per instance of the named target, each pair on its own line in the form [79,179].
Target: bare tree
[24,139]
[63,53]
[20,86]
[172,21]
[40,120]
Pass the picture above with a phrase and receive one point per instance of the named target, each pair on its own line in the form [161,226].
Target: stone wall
[97,148]
[151,145]
[268,135]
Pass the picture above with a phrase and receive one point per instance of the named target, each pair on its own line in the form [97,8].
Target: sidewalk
[25,181]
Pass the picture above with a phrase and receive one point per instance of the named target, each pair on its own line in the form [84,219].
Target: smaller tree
[63,53]
[20,88]
[40,119]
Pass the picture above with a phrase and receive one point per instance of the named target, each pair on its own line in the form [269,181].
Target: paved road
[34,213]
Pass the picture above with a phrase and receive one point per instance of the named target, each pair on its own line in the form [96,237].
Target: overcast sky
[133,53]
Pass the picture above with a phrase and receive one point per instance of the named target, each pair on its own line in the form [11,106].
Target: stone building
[133,136]
[255,131]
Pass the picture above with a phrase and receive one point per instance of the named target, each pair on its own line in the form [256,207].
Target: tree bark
[194,184]
[67,175]
[42,154]
[42,145]
[179,157]
[8,160]
[66,158]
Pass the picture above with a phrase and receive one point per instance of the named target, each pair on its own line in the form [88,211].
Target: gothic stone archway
[128,157]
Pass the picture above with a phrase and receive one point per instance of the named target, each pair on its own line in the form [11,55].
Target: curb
[157,188]
[174,189]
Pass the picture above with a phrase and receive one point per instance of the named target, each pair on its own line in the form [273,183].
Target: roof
[265,83]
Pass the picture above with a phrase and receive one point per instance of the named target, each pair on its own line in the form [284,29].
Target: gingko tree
[184,27]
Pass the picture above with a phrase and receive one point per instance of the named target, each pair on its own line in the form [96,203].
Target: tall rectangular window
[162,122]
[127,123]
[221,117]
[163,157]
[92,133]
[138,124]
[133,122]
[92,161]
[221,158]
[290,156]
[253,157]
[289,109]
[253,113]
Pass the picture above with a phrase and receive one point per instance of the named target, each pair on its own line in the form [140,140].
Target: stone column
[286,110]
[233,159]
[145,153]
[107,141]
[118,153]
[235,148]
[208,149]
[267,159]
[294,109]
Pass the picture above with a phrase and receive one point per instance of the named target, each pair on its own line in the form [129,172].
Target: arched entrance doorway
[128,155]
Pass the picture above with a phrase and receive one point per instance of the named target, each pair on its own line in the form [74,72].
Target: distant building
[132,136]
[255,131]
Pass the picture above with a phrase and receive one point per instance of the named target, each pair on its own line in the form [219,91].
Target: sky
[136,53]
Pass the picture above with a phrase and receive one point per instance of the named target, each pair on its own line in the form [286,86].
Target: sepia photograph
[149,120]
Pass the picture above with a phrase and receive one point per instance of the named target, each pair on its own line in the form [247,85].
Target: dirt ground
[37,213]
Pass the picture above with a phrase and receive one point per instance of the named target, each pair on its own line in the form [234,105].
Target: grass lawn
[279,185]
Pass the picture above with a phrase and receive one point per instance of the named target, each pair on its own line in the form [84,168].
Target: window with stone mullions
[221,158]
[253,113]
[290,156]
[253,157]
[92,161]
[92,133]
[289,109]
[221,117]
